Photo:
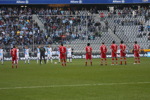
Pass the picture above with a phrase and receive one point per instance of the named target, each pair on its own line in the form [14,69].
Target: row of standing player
[62,50]
[41,51]
[103,51]
[114,48]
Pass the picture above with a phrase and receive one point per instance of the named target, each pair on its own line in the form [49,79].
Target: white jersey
[38,51]
[58,53]
[49,51]
[45,50]
[1,53]
[17,53]
[26,52]
[69,50]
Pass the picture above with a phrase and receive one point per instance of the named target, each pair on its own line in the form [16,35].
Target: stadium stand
[43,26]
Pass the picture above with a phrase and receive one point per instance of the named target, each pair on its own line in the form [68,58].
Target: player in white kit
[58,53]
[1,55]
[49,54]
[38,54]
[69,54]
[17,54]
[26,54]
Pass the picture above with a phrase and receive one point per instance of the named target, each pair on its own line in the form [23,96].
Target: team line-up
[65,54]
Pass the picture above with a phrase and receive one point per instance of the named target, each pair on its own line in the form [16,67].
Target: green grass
[75,82]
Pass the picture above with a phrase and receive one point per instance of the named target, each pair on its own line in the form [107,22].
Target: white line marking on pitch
[74,85]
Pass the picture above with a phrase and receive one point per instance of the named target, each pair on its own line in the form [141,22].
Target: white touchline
[74,85]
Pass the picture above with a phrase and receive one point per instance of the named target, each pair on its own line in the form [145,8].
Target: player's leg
[86,60]
[125,60]
[28,60]
[101,63]
[116,59]
[59,58]
[25,59]
[71,58]
[48,57]
[121,59]
[51,58]
[91,61]
[138,58]
[37,61]
[135,60]
[12,62]
[16,62]
[105,61]
[1,58]
[68,58]
[112,61]
[44,58]
[65,61]
[40,58]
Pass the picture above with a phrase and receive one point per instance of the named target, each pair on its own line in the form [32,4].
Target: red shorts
[103,55]
[14,58]
[62,56]
[88,56]
[122,54]
[113,54]
[136,54]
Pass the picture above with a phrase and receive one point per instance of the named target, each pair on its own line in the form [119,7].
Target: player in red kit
[14,57]
[136,50]
[62,50]
[103,51]
[122,53]
[88,50]
[114,48]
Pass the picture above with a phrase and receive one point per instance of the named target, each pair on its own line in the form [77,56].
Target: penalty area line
[74,85]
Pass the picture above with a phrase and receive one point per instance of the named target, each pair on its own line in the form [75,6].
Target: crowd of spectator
[17,26]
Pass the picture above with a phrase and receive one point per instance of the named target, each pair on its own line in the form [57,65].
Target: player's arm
[139,49]
[65,50]
[105,50]
[44,50]
[125,49]
[111,47]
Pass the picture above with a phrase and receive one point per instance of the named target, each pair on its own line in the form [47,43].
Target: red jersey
[88,50]
[62,49]
[136,48]
[122,47]
[14,52]
[114,47]
[103,49]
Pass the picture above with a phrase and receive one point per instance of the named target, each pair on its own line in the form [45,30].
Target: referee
[42,54]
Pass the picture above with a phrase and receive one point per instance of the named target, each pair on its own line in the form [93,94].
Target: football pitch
[75,81]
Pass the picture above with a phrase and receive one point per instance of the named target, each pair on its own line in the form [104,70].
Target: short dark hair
[14,46]
[135,42]
[88,44]
[61,44]
[113,41]
[121,42]
[103,43]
